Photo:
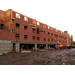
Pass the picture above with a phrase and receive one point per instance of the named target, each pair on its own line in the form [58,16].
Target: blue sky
[59,14]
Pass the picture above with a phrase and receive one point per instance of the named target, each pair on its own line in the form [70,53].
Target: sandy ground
[41,57]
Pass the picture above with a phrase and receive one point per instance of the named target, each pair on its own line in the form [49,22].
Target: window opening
[38,38]
[25,27]
[48,33]
[25,19]
[13,19]
[52,40]
[17,15]
[17,25]
[48,27]
[33,30]
[44,39]
[17,36]
[1,26]
[13,30]
[33,37]
[48,39]
[51,34]
[37,23]
[25,36]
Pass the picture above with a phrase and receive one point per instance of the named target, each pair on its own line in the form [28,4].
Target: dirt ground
[40,57]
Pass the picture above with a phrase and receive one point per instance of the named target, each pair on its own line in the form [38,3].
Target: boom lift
[60,46]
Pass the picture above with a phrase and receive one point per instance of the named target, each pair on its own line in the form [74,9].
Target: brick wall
[30,34]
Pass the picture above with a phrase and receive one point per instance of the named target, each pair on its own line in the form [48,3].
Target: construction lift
[60,46]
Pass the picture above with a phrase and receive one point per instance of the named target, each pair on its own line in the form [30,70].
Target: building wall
[9,34]
[29,32]
[5,46]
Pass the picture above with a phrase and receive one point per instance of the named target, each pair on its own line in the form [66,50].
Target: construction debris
[51,48]
[1,54]
[25,51]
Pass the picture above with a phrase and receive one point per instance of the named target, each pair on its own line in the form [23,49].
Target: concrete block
[5,45]
[0,41]
[9,41]
[3,49]
[0,44]
[4,41]
[11,45]
[0,48]
[17,50]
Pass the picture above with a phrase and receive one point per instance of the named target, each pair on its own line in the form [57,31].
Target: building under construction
[18,30]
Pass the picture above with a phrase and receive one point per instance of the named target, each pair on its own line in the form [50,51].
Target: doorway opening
[27,46]
[41,46]
[14,47]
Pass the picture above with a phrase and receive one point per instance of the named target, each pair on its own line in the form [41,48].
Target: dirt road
[41,57]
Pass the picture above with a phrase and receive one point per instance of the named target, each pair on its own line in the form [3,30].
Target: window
[37,23]
[33,30]
[17,36]
[48,33]
[33,37]
[48,39]
[25,19]
[13,30]
[48,27]
[51,40]
[65,38]
[38,31]
[25,36]
[13,19]
[44,39]
[51,34]
[59,36]
[56,36]
[1,26]
[25,27]
[17,25]
[38,38]
[17,15]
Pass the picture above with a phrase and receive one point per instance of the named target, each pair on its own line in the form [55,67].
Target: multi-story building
[17,30]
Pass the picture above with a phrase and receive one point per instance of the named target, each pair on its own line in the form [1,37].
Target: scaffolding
[5,20]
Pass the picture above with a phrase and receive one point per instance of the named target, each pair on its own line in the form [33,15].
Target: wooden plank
[44,25]
[34,21]
[33,26]
[51,28]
